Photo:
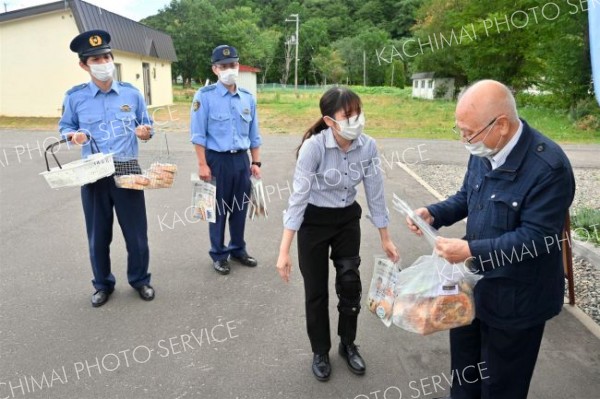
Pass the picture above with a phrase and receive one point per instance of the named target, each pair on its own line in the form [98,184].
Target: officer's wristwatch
[259,164]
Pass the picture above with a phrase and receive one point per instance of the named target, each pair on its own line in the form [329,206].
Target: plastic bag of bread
[434,295]
[380,299]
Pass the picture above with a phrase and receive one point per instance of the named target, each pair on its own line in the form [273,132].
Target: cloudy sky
[132,9]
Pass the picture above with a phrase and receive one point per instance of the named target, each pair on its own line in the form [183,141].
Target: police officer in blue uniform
[114,115]
[516,193]
[224,126]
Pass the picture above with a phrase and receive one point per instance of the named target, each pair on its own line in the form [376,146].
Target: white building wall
[37,67]
[247,80]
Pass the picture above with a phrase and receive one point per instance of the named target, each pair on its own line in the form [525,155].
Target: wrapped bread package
[161,175]
[133,182]
[380,299]
[433,295]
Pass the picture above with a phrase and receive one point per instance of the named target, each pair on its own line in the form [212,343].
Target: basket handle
[51,149]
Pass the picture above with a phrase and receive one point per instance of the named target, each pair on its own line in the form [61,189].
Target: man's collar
[222,90]
[500,157]
[95,89]
[516,156]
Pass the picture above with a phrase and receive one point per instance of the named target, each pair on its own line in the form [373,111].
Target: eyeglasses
[457,131]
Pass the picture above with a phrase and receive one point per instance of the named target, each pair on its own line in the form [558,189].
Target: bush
[586,114]
[547,101]
[586,224]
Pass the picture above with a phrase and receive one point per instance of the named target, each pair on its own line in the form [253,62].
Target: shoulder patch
[208,88]
[76,88]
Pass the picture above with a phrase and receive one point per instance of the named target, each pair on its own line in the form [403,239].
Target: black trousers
[323,229]
[492,363]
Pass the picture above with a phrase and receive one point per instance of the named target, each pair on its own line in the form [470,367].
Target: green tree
[193,41]
[329,65]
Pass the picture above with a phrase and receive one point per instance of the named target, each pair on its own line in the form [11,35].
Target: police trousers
[338,230]
[100,201]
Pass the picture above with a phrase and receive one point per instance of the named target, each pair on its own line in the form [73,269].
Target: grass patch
[390,112]
[29,123]
[585,223]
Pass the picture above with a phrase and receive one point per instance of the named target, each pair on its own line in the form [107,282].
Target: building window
[430,83]
[422,84]
[416,84]
[117,76]
[154,72]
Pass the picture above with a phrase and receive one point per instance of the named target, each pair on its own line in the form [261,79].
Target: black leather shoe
[356,364]
[221,266]
[100,297]
[245,260]
[146,292]
[321,367]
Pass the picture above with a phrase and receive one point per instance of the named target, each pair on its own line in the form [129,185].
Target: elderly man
[516,193]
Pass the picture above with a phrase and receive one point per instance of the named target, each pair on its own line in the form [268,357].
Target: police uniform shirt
[223,121]
[110,118]
[325,176]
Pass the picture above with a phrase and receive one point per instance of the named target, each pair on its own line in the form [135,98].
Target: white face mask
[481,150]
[353,128]
[102,72]
[228,76]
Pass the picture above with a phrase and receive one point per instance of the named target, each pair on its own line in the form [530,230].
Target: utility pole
[364,68]
[392,82]
[296,40]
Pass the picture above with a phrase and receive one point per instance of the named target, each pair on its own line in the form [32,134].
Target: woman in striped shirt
[333,158]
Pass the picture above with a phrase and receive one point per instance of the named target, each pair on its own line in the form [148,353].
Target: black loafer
[100,297]
[245,260]
[321,367]
[146,292]
[355,362]
[221,266]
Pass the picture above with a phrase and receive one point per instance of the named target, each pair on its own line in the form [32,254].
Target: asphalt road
[206,335]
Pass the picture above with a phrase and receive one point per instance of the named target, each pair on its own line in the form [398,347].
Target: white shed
[247,78]
[426,85]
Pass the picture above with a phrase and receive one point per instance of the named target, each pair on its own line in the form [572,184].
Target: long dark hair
[334,100]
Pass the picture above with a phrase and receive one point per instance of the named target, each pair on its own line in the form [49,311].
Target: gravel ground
[446,179]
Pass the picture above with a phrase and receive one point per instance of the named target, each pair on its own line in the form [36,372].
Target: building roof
[422,75]
[247,68]
[127,35]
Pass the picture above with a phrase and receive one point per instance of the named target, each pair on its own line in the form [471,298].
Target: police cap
[224,54]
[92,42]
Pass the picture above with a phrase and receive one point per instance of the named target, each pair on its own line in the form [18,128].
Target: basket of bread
[160,170]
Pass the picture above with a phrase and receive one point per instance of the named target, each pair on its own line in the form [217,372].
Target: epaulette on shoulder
[125,84]
[550,154]
[208,88]
[76,88]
